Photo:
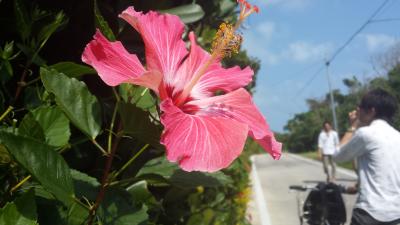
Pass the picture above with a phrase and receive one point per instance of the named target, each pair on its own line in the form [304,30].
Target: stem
[20,183]
[131,160]
[23,76]
[112,127]
[104,180]
[32,81]
[9,109]
[99,147]
[80,203]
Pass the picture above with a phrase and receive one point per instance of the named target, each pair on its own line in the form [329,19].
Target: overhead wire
[342,47]
[349,40]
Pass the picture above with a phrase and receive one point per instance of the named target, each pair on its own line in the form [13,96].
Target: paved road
[274,180]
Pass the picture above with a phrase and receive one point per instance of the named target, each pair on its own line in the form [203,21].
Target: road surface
[273,203]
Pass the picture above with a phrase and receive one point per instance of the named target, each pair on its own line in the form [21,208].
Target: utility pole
[333,108]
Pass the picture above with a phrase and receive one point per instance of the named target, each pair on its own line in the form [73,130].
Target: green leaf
[184,179]
[24,24]
[30,53]
[102,24]
[31,128]
[72,69]
[160,166]
[4,156]
[140,96]
[188,13]
[226,6]
[49,29]
[45,164]
[140,193]
[74,98]
[118,208]
[203,218]
[85,185]
[20,212]
[138,124]
[6,71]
[54,124]
[8,50]
[51,212]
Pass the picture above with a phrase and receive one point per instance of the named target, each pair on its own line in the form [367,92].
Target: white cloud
[377,42]
[301,51]
[257,40]
[267,30]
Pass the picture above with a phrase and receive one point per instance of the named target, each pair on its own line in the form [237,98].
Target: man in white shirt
[328,142]
[376,146]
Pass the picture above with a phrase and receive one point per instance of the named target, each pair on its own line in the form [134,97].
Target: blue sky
[292,38]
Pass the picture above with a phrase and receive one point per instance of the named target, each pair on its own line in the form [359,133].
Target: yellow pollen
[226,41]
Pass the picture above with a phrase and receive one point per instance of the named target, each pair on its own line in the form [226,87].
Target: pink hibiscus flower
[203,131]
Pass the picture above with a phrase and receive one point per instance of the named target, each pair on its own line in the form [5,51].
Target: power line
[385,20]
[357,32]
[303,70]
[341,48]
[312,78]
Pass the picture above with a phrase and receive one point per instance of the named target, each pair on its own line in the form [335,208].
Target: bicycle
[324,204]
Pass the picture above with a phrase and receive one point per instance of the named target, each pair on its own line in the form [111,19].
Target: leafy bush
[74,151]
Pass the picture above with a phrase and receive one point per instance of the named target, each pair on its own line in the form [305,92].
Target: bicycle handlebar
[342,188]
[298,187]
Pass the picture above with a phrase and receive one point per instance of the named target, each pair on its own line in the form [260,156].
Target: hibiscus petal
[201,143]
[215,78]
[239,106]
[112,62]
[162,35]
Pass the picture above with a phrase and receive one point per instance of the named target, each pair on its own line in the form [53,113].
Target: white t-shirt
[377,149]
[328,142]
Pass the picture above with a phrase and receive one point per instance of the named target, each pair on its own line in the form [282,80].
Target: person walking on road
[376,146]
[328,143]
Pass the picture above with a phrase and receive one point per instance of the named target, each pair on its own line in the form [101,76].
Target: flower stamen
[225,42]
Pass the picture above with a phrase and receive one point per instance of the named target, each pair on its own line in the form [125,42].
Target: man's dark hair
[385,104]
[326,122]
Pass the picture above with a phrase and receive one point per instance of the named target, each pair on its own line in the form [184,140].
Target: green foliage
[73,97]
[188,13]
[101,23]
[45,164]
[302,130]
[72,69]
[20,212]
[67,140]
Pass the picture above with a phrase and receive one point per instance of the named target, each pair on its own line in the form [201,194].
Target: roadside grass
[314,155]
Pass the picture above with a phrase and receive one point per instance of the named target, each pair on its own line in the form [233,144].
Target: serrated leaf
[118,208]
[49,29]
[140,96]
[43,162]
[72,69]
[102,24]
[85,185]
[184,179]
[137,123]
[20,212]
[188,13]
[31,128]
[74,98]
[160,166]
[51,212]
[30,53]
[54,123]
[22,19]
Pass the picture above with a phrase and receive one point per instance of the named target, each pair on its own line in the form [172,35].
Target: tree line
[301,132]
